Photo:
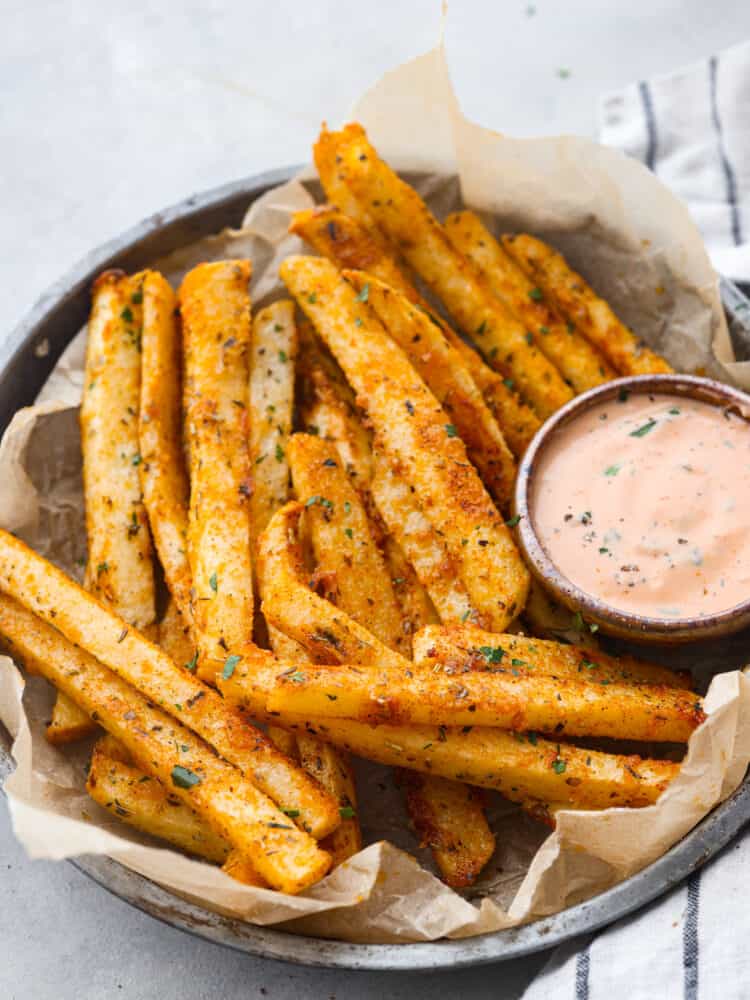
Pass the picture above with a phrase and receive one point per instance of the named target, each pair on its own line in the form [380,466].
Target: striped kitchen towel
[693,129]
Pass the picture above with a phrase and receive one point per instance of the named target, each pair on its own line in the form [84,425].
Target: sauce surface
[644,502]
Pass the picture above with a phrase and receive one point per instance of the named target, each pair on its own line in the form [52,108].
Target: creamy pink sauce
[644,502]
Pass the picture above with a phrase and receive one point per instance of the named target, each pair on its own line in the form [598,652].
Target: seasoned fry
[287,857]
[449,819]
[409,224]
[334,772]
[427,695]
[68,723]
[442,368]
[48,592]
[139,800]
[271,398]
[424,548]
[347,242]
[119,566]
[348,562]
[413,431]
[465,647]
[175,638]
[215,308]
[325,631]
[579,362]
[520,765]
[325,157]
[239,867]
[162,470]
[590,315]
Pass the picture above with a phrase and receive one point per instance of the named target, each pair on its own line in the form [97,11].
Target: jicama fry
[58,600]
[413,431]
[325,157]
[348,562]
[346,242]
[409,224]
[519,765]
[325,631]
[119,566]
[449,819]
[162,469]
[139,800]
[271,399]
[434,695]
[68,723]
[423,547]
[287,857]
[175,638]
[590,315]
[215,308]
[465,647]
[442,368]
[334,772]
[579,362]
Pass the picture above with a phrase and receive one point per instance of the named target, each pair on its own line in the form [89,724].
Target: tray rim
[54,319]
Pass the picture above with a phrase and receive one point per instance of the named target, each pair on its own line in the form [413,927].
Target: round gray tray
[26,359]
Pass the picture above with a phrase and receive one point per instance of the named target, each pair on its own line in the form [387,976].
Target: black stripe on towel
[648,112]
[690,938]
[726,166]
[583,965]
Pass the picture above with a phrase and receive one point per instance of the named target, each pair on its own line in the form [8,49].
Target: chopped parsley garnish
[513,521]
[103,567]
[192,664]
[643,430]
[559,765]
[279,453]
[675,411]
[450,430]
[136,460]
[291,813]
[127,314]
[508,383]
[482,327]
[283,357]
[213,583]
[348,532]
[297,677]
[364,295]
[611,470]
[229,665]
[312,298]
[536,294]
[492,654]
[183,777]
[529,338]
[347,812]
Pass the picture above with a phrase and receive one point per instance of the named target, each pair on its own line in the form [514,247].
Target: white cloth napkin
[693,129]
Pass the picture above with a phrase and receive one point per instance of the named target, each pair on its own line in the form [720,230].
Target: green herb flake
[347,812]
[297,677]
[532,738]
[644,429]
[492,654]
[279,453]
[559,765]
[348,532]
[183,777]
[529,338]
[622,396]
[291,813]
[675,411]
[358,321]
[213,583]
[136,460]
[312,298]
[364,295]
[508,383]
[450,430]
[137,297]
[611,470]
[544,329]
[482,327]
[536,294]
[229,664]
[192,664]
[347,507]
[283,357]
[127,314]
[513,521]
[103,567]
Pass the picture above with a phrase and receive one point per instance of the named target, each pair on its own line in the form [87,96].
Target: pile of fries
[323,488]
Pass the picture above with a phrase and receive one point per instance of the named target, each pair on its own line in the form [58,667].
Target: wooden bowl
[594,611]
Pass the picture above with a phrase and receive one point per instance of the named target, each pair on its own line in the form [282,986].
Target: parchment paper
[626,233]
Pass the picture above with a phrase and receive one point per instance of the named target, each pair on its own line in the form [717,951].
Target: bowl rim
[593,609]
[55,318]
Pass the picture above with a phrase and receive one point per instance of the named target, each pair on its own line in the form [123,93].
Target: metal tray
[26,359]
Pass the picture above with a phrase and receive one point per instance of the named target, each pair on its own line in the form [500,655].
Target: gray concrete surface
[112,111]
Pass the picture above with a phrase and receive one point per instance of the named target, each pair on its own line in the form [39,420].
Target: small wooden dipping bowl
[594,611]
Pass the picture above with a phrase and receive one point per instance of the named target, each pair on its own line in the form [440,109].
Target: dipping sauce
[644,502]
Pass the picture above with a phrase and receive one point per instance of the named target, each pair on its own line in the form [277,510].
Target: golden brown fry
[325,157]
[164,478]
[175,638]
[465,647]
[349,565]
[239,867]
[349,244]
[579,362]
[325,631]
[409,224]
[590,315]
[119,544]
[334,772]
[399,507]
[520,765]
[413,431]
[434,695]
[215,308]
[139,800]
[48,592]
[449,819]
[442,368]
[167,750]
[272,362]
[68,723]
